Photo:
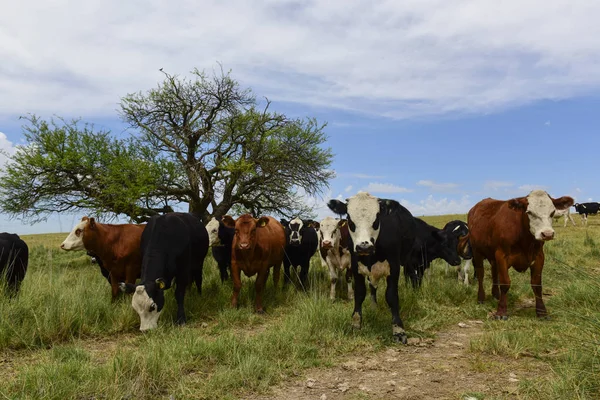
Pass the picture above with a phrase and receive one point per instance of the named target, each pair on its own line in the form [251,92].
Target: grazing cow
[173,246]
[334,242]
[14,258]
[258,245]
[585,209]
[301,244]
[512,233]
[117,246]
[220,238]
[382,234]
[461,230]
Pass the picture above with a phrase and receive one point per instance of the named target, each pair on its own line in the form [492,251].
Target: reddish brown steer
[258,244]
[512,234]
[117,246]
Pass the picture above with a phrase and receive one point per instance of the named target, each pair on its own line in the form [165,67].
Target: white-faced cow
[173,246]
[220,238]
[334,243]
[585,209]
[512,233]
[301,244]
[382,234]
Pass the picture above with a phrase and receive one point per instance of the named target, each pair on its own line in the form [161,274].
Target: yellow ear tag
[343,223]
[161,285]
[262,223]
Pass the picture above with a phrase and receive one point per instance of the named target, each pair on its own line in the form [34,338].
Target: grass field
[62,338]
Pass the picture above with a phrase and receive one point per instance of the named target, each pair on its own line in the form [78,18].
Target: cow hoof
[260,311]
[544,317]
[501,317]
[400,338]
[356,321]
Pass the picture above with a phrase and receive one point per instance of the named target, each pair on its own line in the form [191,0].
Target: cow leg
[179,296]
[304,273]
[478,266]
[261,281]
[536,285]
[223,271]
[286,271]
[198,280]
[332,277]
[373,291]
[465,271]
[360,292]
[391,296]
[349,282]
[237,284]
[495,287]
[572,220]
[504,285]
[114,287]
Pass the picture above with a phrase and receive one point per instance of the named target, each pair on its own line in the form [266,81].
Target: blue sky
[434,104]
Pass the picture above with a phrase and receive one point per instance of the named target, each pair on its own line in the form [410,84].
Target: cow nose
[326,243]
[244,245]
[364,247]
[62,246]
[548,235]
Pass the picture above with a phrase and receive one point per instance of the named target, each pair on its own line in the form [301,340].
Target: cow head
[364,213]
[245,230]
[213,232]
[447,246]
[148,301]
[75,239]
[540,209]
[329,232]
[294,230]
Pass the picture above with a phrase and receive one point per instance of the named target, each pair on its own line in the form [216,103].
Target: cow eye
[152,308]
[552,214]
[78,232]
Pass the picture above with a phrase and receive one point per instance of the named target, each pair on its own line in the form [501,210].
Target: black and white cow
[585,209]
[301,245]
[220,238]
[461,231]
[334,243]
[173,246]
[14,258]
[382,235]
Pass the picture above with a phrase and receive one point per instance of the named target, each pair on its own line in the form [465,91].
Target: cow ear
[262,222]
[342,222]
[387,207]
[92,222]
[161,283]
[518,204]
[338,207]
[316,225]
[126,287]
[84,218]
[284,222]
[563,202]
[228,221]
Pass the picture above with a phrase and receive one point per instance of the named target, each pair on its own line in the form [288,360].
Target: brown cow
[258,244]
[117,246]
[512,233]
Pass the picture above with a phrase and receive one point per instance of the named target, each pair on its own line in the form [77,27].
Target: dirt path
[440,368]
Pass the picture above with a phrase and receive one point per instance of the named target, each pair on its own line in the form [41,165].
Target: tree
[204,141]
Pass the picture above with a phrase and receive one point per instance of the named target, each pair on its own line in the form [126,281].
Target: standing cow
[258,245]
[382,234]
[14,258]
[512,233]
[301,244]
[565,213]
[220,238]
[173,246]
[461,231]
[334,249]
[585,209]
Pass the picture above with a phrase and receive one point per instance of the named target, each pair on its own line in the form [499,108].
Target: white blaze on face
[329,232]
[363,210]
[145,308]
[213,232]
[540,211]
[295,227]
[75,239]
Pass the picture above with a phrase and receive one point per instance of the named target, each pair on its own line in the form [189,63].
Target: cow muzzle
[365,248]
[295,242]
[244,246]
[547,235]
[326,244]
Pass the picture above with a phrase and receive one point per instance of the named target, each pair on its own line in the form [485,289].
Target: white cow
[333,249]
[564,213]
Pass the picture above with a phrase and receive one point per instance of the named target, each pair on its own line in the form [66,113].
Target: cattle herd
[372,239]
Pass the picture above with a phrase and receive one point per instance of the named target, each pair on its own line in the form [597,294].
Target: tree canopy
[204,140]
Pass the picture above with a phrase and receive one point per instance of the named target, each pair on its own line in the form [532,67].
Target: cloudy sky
[435,103]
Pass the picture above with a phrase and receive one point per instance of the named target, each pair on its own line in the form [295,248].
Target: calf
[334,242]
[14,258]
[301,244]
[220,238]
[585,209]
[512,233]
[173,246]
[461,230]
[258,245]
[117,246]
[382,235]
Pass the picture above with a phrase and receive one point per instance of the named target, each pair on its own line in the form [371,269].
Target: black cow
[382,235]
[220,238]
[461,229]
[173,246]
[585,209]
[14,258]
[301,244]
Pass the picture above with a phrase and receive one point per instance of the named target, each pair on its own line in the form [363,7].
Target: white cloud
[348,188]
[79,58]
[441,206]
[496,185]
[438,187]
[547,123]
[375,187]
[578,190]
[6,149]
[359,176]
